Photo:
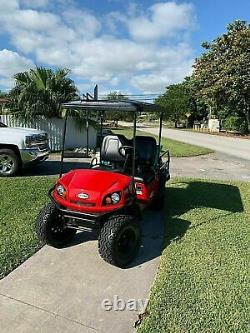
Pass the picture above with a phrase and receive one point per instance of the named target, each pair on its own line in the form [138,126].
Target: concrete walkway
[63,290]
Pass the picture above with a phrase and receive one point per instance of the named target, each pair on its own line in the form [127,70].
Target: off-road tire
[110,235]
[15,162]
[46,220]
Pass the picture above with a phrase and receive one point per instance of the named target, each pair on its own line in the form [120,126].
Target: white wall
[214,125]
[75,136]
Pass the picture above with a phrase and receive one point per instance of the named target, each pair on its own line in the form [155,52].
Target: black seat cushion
[146,149]
[110,148]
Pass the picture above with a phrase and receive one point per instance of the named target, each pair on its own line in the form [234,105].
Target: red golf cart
[112,193]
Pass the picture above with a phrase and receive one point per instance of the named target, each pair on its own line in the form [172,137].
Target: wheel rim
[58,230]
[127,243]
[7,164]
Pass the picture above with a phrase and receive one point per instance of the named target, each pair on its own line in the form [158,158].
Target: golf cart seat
[146,149]
[110,148]
[112,157]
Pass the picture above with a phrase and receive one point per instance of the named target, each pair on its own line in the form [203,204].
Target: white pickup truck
[20,147]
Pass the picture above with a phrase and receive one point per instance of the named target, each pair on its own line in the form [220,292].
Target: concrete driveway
[63,290]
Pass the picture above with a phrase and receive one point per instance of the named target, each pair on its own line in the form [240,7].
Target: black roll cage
[102,106]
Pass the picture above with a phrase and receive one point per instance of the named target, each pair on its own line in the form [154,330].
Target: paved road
[239,148]
[62,290]
[236,147]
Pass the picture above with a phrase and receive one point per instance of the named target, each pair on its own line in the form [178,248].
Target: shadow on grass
[186,196]
[180,199]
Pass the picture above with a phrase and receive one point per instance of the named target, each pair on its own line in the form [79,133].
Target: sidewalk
[62,290]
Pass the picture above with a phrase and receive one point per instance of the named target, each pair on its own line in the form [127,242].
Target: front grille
[81,203]
[43,146]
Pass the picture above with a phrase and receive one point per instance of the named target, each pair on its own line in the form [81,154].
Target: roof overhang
[109,105]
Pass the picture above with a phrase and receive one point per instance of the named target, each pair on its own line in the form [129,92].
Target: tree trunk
[175,124]
[248,119]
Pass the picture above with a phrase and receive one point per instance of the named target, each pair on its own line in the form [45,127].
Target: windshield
[2,124]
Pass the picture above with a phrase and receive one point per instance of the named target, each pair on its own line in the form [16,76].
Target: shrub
[236,123]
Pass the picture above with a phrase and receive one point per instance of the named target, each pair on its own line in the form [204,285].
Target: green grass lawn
[176,148]
[21,200]
[203,283]
[203,280]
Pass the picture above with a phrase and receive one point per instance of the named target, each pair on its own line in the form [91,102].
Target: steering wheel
[124,149]
[94,159]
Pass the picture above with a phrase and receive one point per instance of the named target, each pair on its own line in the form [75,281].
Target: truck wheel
[9,163]
[50,228]
[119,240]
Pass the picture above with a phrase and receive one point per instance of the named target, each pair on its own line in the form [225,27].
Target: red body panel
[147,192]
[96,185]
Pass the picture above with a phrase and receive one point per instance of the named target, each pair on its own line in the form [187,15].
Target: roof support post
[102,116]
[160,131]
[63,142]
[134,146]
[87,131]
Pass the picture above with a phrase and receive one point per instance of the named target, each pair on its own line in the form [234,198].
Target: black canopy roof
[109,105]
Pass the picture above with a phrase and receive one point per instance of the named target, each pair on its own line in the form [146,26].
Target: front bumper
[32,155]
[78,220]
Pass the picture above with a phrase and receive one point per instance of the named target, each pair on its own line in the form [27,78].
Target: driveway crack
[51,312]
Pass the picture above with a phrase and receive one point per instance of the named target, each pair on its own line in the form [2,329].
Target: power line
[134,95]
[142,99]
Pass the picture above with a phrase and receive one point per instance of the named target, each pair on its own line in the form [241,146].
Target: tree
[117,115]
[221,74]
[116,96]
[3,101]
[41,91]
[177,101]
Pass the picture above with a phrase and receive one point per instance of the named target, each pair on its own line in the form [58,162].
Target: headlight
[29,140]
[115,197]
[60,190]
[112,199]
[33,140]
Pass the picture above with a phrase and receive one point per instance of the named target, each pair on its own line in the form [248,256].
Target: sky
[136,47]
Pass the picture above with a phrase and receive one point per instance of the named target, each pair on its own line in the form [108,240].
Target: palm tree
[41,91]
